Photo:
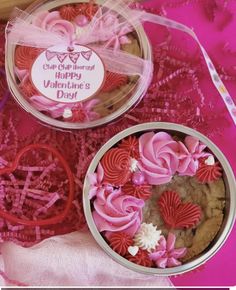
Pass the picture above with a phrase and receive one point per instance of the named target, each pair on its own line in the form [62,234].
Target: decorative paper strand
[230,105]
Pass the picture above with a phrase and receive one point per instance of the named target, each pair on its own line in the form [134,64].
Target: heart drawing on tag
[74,56]
[87,54]
[178,215]
[50,54]
[62,56]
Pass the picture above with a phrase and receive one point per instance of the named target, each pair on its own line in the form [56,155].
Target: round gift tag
[68,75]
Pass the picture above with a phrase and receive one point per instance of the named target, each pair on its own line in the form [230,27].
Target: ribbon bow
[111,27]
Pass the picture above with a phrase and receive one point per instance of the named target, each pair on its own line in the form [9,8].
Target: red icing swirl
[142,258]
[143,191]
[120,242]
[27,88]
[131,145]
[25,56]
[116,165]
[87,9]
[68,12]
[208,173]
[178,215]
[114,81]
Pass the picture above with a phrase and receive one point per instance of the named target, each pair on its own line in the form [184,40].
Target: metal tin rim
[140,90]
[229,178]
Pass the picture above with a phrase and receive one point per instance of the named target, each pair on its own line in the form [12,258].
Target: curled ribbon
[229,103]
[115,60]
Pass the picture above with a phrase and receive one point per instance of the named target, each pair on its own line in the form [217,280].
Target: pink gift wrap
[181,92]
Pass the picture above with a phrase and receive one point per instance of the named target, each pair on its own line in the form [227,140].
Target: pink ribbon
[111,27]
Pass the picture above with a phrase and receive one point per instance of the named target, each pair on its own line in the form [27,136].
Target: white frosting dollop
[147,237]
[67,113]
[133,165]
[210,160]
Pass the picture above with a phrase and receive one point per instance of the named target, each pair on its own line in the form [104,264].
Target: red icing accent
[68,12]
[79,114]
[114,81]
[208,173]
[143,191]
[120,242]
[131,145]
[116,165]
[178,215]
[25,56]
[142,258]
[13,167]
[87,9]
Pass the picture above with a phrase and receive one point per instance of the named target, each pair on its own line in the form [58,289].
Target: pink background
[214,22]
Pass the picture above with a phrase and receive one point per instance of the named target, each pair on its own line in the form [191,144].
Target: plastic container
[111,104]
[229,211]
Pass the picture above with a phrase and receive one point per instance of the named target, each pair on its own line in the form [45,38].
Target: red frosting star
[120,242]
[68,12]
[208,173]
[141,258]
[143,191]
[131,145]
[87,9]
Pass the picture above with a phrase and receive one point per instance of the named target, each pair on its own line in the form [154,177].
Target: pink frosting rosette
[158,157]
[119,213]
[189,154]
[52,21]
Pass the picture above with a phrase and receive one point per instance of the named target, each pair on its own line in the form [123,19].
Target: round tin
[230,206]
[137,93]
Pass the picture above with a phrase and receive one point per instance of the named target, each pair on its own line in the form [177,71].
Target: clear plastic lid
[76,65]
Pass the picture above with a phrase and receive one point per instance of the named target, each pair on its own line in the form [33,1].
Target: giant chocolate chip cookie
[210,197]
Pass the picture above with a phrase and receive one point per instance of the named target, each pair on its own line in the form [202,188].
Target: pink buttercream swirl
[165,255]
[52,21]
[118,213]
[158,157]
[189,154]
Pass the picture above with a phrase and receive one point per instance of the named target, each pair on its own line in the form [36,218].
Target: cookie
[176,216]
[203,236]
[133,47]
[211,199]
[112,101]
